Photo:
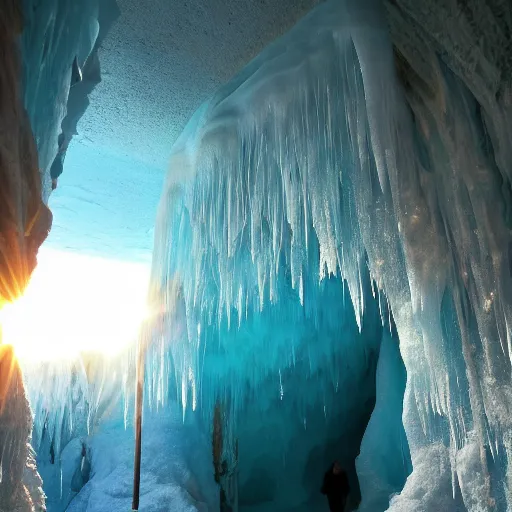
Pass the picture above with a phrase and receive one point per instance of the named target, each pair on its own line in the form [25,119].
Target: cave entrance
[295,425]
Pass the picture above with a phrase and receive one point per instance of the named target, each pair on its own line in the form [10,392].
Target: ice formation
[320,159]
[39,42]
[384,462]
[355,175]
[59,49]
[85,443]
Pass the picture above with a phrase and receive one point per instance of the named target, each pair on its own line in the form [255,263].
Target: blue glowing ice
[313,197]
[317,161]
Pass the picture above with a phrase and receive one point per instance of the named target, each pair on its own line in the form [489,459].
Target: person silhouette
[336,487]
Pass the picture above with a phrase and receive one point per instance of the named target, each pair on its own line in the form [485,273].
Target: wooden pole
[138,423]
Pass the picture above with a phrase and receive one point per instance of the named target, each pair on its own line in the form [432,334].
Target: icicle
[348,172]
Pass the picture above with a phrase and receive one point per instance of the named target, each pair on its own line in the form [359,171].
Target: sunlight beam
[76,303]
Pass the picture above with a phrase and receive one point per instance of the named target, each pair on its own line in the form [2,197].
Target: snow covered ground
[176,468]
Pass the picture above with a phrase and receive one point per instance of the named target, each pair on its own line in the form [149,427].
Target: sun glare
[76,304]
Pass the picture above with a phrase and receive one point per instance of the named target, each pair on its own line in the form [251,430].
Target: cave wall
[38,43]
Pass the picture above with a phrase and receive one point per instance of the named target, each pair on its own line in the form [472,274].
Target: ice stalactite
[24,220]
[346,148]
[457,83]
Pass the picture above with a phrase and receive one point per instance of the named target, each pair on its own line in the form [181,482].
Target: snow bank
[177,473]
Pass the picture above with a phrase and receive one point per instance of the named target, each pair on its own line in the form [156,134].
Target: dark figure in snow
[336,487]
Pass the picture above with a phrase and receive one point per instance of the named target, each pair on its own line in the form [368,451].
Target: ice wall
[384,462]
[24,224]
[341,150]
[58,43]
[39,42]
[24,220]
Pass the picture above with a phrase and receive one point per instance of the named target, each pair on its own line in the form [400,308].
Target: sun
[74,304]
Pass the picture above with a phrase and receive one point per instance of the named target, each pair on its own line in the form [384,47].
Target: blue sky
[105,206]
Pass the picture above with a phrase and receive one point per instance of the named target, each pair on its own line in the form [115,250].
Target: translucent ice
[51,35]
[356,148]
[56,36]
[319,159]
[384,462]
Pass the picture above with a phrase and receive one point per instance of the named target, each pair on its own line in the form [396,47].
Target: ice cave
[246,243]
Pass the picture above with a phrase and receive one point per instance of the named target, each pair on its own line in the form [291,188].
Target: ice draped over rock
[24,224]
[346,148]
[59,50]
[39,42]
